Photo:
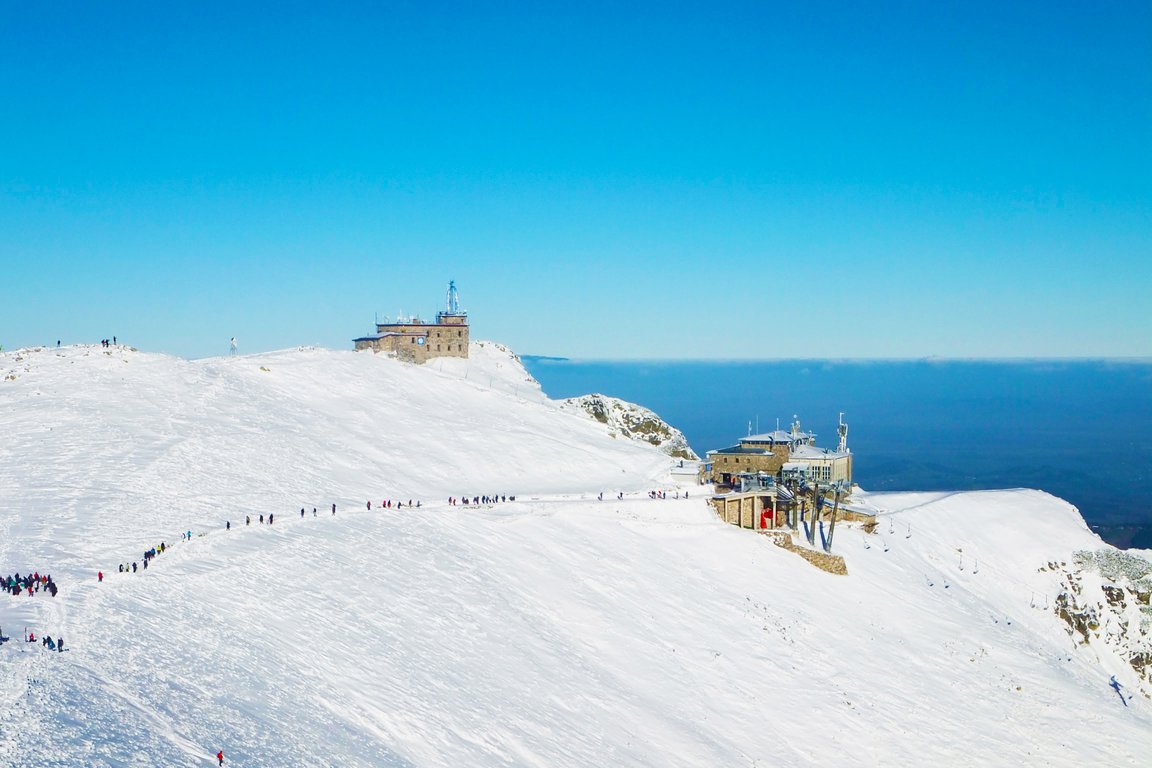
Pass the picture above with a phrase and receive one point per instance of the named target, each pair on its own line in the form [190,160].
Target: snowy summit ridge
[552,629]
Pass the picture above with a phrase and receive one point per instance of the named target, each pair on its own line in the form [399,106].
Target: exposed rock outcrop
[1106,602]
[635,422]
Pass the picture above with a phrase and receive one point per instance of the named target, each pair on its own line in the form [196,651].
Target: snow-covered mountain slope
[553,630]
[493,366]
[634,422]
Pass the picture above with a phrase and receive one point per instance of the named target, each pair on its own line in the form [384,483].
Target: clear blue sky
[601,179]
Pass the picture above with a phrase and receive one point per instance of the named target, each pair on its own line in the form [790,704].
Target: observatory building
[416,341]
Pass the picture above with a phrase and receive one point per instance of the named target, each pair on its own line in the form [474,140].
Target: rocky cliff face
[635,422]
[1106,602]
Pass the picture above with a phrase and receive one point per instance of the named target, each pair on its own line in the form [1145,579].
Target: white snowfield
[556,630]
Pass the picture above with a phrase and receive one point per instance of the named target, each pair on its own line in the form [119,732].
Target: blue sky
[613,180]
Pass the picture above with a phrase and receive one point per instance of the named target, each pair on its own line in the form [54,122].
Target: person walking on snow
[99,576]
[220,757]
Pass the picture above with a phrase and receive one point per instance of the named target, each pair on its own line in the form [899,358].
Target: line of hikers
[149,555]
[272,517]
[478,500]
[33,582]
[387,504]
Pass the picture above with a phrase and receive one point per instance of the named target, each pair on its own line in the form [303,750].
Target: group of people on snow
[33,582]
[387,504]
[149,555]
[30,637]
[475,501]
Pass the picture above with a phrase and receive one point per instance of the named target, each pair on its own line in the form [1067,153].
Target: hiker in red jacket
[99,576]
[220,756]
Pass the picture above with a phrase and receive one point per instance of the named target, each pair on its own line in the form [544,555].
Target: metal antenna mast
[453,298]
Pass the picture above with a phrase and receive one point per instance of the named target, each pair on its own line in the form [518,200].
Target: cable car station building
[757,480]
[784,456]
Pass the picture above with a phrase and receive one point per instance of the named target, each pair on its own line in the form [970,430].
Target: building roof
[812,452]
[746,449]
[775,436]
[384,335]
[381,326]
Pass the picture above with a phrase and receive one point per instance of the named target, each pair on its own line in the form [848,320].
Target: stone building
[764,453]
[820,465]
[417,341]
[784,456]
